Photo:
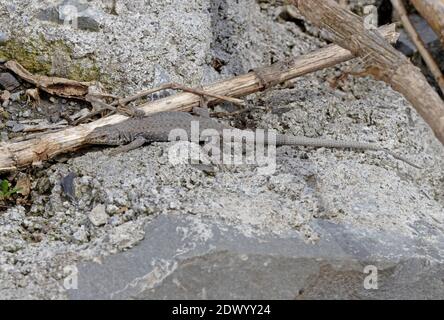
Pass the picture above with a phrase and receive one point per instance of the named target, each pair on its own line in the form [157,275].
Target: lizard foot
[140,141]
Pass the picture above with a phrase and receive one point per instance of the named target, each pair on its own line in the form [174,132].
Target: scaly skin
[135,132]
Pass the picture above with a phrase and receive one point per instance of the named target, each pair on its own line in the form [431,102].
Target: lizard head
[104,135]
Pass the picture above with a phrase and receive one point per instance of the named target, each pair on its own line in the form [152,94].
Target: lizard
[137,131]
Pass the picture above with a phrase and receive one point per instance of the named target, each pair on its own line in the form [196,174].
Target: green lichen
[27,55]
[51,58]
[82,73]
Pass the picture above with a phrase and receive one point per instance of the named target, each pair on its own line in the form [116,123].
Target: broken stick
[381,59]
[14,155]
[55,86]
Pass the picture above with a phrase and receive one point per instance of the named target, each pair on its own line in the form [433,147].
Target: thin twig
[176,86]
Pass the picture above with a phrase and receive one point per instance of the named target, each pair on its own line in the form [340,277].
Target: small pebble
[16,96]
[173,205]
[68,187]
[112,209]
[98,216]
[26,113]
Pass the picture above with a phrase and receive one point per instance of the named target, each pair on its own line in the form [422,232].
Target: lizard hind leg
[137,143]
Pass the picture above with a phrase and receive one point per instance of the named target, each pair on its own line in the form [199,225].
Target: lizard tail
[401,158]
[313,142]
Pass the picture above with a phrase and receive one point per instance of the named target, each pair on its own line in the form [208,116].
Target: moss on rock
[52,58]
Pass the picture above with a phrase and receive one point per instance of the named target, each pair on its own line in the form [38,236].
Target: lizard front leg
[137,143]
[201,112]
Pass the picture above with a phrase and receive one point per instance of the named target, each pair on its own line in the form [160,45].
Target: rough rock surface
[309,230]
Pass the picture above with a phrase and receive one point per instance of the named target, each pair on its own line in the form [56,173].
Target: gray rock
[88,23]
[15,126]
[127,235]
[49,14]
[81,235]
[188,258]
[8,81]
[98,216]
[146,34]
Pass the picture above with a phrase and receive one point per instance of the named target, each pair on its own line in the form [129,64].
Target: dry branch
[411,31]
[14,155]
[53,85]
[381,59]
[433,12]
